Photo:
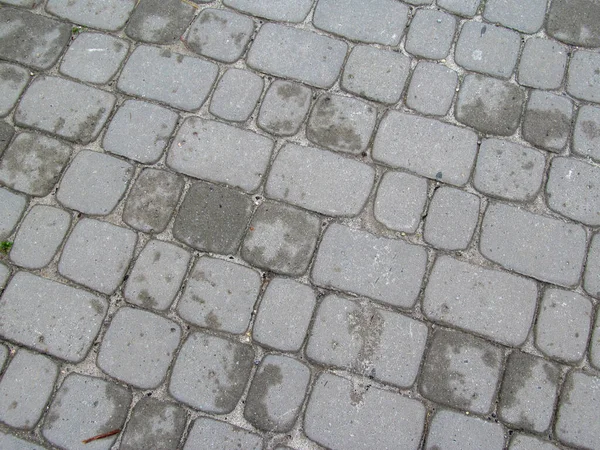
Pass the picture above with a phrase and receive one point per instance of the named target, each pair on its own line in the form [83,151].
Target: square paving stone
[543,63]
[277,393]
[341,123]
[138,347]
[489,105]
[547,122]
[97,255]
[284,11]
[25,389]
[108,15]
[9,442]
[341,416]
[158,74]
[594,344]
[211,373]
[94,57]
[33,163]
[68,109]
[281,238]
[432,88]
[159,21]
[467,8]
[85,407]
[40,235]
[13,80]
[284,314]
[527,17]
[94,183]
[236,95]
[212,218]
[583,81]
[430,34]
[152,200]
[461,371]
[32,39]
[140,131]
[358,337]
[575,22]
[524,442]
[210,433]
[284,108]
[220,295]
[586,136]
[157,275]
[591,277]
[50,317]
[12,207]
[6,134]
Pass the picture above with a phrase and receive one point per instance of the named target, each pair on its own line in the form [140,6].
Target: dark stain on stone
[211,17]
[165,53]
[257,411]
[365,324]
[97,306]
[519,370]
[590,129]
[237,369]
[146,299]
[330,128]
[157,256]
[87,128]
[544,128]
[289,91]
[212,321]
[10,74]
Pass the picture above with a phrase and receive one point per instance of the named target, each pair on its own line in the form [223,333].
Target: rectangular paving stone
[430,34]
[207,433]
[298,54]
[107,15]
[574,22]
[547,121]
[428,147]
[432,89]
[527,17]
[591,278]
[586,135]
[466,8]
[13,80]
[583,81]
[236,95]
[544,248]
[543,63]
[451,430]
[159,21]
[50,317]
[284,11]
[387,270]
[284,107]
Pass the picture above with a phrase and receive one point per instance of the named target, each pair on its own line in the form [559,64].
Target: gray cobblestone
[12,207]
[285,11]
[594,343]
[543,63]
[524,442]
[4,274]
[13,80]
[466,8]
[547,120]
[236,95]
[430,34]
[583,81]
[159,21]
[209,433]
[527,17]
[108,15]
[23,3]
[574,22]
[591,278]
[586,136]
[432,88]
[452,430]
[6,134]
[284,108]
[8,442]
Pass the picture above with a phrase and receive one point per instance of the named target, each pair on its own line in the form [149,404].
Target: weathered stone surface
[432,88]
[574,22]
[583,81]
[236,95]
[547,121]
[543,63]
[107,15]
[207,433]
[285,11]
[13,80]
[284,107]
[450,430]
[12,207]
[9,442]
[591,278]
[524,442]
[430,34]
[466,8]
[6,134]
[527,17]
[595,344]
[586,135]
[159,21]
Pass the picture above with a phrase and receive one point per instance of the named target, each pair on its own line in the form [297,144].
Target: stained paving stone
[467,8]
[210,373]
[490,106]
[284,108]
[383,269]
[574,22]
[210,433]
[554,253]
[220,295]
[301,55]
[430,34]
[583,81]
[591,279]
[586,135]
[71,110]
[97,255]
[356,336]
[157,275]
[31,39]
[284,314]
[84,407]
[33,163]
[320,180]
[573,190]
[276,393]
[543,63]
[236,95]
[498,305]
[547,121]
[341,415]
[108,15]
[13,80]
[3,349]
[4,274]
[427,147]
[284,11]
[522,441]
[23,3]
[595,343]
[6,134]
[154,424]
[50,317]
[432,88]
[527,17]
[159,21]
[180,81]
[12,207]
[25,389]
[9,442]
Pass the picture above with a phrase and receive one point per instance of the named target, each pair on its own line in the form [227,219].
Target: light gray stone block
[236,95]
[12,207]
[452,430]
[208,433]
[108,15]
[574,22]
[583,81]
[13,80]
[284,108]
[586,135]
[432,88]
[527,17]
[467,8]
[543,63]
[591,279]
[159,21]
[595,343]
[284,11]
[9,442]
[430,34]
[547,121]
[524,442]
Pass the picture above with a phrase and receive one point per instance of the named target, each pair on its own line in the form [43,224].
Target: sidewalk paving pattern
[300,224]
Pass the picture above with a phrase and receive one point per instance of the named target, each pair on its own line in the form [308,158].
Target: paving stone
[85,407]
[574,22]
[591,278]
[524,442]
[372,342]
[220,153]
[33,163]
[12,207]
[284,108]
[25,389]
[489,105]
[236,95]
[154,424]
[108,15]
[94,57]
[152,200]
[140,131]
[211,373]
[283,11]
[284,314]
[158,74]
[583,81]
[105,179]
[495,304]
[376,21]
[23,3]
[547,121]
[430,34]
[220,34]
[384,85]
[97,255]
[320,180]
[70,110]
[40,235]
[508,170]
[212,218]
[543,63]
[4,274]
[451,219]
[301,55]
[577,413]
[467,8]
[50,317]
[157,275]
[159,21]
[574,191]
[586,135]
[6,134]
[31,39]
[384,269]
[13,80]
[594,343]
[220,295]
[9,442]
[340,415]
[138,347]
[554,253]
[277,393]
[427,147]
[432,88]
[527,17]
[281,238]
[210,433]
